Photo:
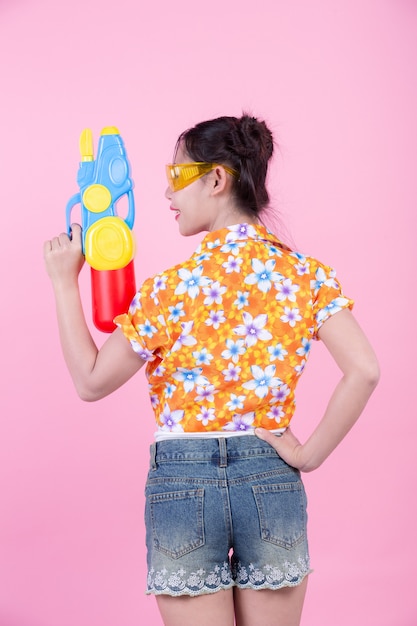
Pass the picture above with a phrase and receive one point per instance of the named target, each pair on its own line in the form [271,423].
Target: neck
[230,216]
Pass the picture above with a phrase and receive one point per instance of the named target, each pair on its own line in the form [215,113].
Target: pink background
[336,80]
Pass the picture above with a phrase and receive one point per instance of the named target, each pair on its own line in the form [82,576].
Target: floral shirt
[227,334]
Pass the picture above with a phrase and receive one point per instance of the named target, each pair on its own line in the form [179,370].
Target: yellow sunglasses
[180,175]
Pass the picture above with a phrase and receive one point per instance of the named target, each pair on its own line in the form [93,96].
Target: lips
[171,208]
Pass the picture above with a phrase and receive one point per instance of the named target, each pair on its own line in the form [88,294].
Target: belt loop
[153,456]
[223,452]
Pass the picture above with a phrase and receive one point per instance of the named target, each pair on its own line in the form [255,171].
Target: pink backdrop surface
[336,81]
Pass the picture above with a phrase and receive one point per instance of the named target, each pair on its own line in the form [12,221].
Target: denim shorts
[221,513]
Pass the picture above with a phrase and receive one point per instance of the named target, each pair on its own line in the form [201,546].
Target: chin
[190,231]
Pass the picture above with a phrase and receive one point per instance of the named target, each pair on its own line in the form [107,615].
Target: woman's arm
[95,373]
[352,352]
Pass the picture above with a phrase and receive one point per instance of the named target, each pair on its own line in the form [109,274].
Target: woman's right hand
[63,256]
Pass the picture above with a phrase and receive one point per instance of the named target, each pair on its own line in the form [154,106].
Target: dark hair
[245,144]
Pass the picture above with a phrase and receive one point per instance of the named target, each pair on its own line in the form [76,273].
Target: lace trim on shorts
[269,577]
[200,582]
[177,583]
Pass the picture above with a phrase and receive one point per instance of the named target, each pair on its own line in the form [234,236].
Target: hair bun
[251,138]
[244,144]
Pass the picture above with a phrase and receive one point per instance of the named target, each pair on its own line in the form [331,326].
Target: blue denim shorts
[221,513]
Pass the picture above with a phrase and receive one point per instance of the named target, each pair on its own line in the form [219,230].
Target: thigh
[266,607]
[206,610]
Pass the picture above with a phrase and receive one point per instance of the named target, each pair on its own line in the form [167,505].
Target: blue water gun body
[107,238]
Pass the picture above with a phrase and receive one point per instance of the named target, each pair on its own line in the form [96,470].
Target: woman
[225,336]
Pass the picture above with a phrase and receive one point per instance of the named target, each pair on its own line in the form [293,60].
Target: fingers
[266,435]
[47,247]
[286,445]
[75,232]
[63,240]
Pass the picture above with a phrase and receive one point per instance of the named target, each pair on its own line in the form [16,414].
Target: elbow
[373,374]
[370,373]
[88,394]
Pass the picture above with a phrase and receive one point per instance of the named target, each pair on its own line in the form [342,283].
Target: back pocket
[282,513]
[177,521]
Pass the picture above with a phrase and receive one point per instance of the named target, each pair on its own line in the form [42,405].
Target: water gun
[107,238]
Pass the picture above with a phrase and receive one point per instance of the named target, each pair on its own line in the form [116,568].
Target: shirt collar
[237,233]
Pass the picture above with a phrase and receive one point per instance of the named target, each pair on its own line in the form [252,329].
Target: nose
[168,193]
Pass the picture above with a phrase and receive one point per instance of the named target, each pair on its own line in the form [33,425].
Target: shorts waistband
[219,450]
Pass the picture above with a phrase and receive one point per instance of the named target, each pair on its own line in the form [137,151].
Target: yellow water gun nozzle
[86,145]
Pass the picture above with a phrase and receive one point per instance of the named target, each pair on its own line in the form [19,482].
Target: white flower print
[241,422]
[240,231]
[170,389]
[300,257]
[159,283]
[322,279]
[235,402]
[280,393]
[143,353]
[232,372]
[300,368]
[234,349]
[305,347]
[276,413]
[205,393]
[291,316]
[302,268]
[242,299]
[232,264]
[215,318]
[171,420]
[336,305]
[176,311]
[232,246]
[136,304]
[253,328]
[214,293]
[191,282]
[206,416]
[277,352]
[202,357]
[213,244]
[146,329]
[286,290]
[274,251]
[263,380]
[263,275]
[185,339]
[154,400]
[190,377]
[204,256]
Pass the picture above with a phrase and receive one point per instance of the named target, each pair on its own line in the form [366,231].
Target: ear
[219,180]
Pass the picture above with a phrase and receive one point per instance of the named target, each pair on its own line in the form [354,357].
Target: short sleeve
[144,325]
[327,295]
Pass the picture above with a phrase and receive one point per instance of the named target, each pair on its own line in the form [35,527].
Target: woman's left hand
[64,256]
[287,446]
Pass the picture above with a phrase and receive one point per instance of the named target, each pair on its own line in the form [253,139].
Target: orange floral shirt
[227,334]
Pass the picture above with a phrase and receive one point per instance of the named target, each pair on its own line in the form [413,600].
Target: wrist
[64,284]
